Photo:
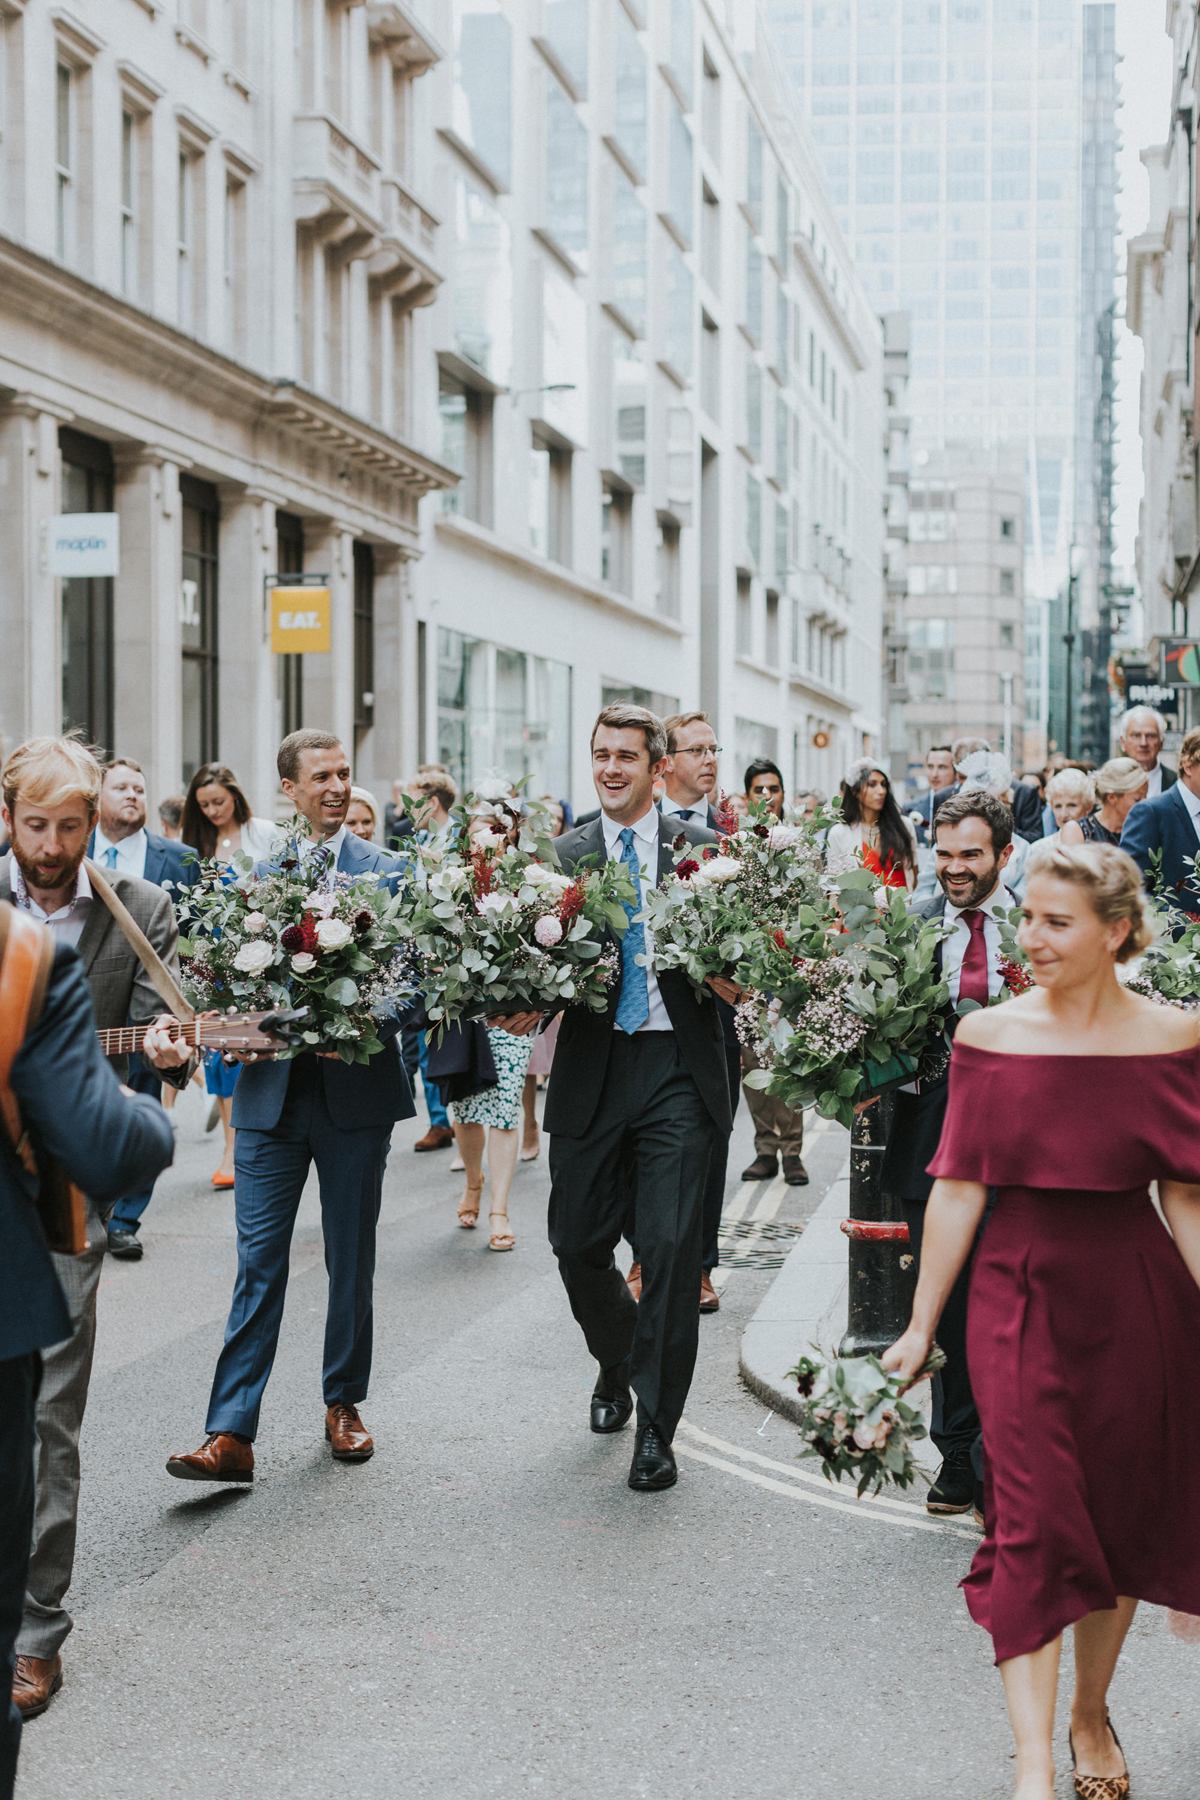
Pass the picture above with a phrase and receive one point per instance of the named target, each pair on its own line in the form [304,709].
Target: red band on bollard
[876,1231]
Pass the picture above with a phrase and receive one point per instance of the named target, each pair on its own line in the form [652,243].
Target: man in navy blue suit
[121,845]
[1163,834]
[289,1115]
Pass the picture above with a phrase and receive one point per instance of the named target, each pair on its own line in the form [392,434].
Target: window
[64,162]
[184,235]
[771,646]
[466,419]
[483,86]
[753,409]
[781,439]
[680,186]
[338,53]
[681,47]
[87,604]
[129,256]
[364,642]
[198,622]
[616,539]
[782,334]
[289,680]
[1008,528]
[744,623]
[483,293]
[679,314]
[1008,636]
[1008,581]
[628,251]
[754,287]
[566,175]
[754,520]
[781,224]
[630,116]
[668,567]
[710,372]
[931,513]
[710,238]
[710,108]
[503,709]
[567,39]
[662,704]
[812,360]
[931,659]
[754,171]
[629,408]
[781,539]
[550,499]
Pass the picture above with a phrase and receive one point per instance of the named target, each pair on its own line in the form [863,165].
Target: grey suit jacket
[122,992]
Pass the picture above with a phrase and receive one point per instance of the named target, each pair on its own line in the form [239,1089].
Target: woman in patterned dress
[492,1116]
[1119,785]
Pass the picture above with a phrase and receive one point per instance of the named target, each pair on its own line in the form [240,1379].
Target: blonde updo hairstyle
[1112,880]
[1120,776]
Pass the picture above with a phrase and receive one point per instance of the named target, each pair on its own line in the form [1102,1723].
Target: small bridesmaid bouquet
[856,1421]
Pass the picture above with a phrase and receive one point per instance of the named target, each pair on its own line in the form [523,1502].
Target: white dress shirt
[645,838]
[954,948]
[131,853]
[698,812]
[1192,802]
[1154,781]
[68,922]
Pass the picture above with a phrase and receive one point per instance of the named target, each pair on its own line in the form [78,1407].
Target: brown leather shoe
[710,1300]
[36,1680]
[794,1172]
[349,1439]
[763,1168]
[221,1457]
[633,1281]
[438,1137]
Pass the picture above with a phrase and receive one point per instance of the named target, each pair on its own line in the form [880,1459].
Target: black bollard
[882,1276]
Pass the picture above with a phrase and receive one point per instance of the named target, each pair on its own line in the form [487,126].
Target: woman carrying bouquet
[873,831]
[494,1114]
[1084,1311]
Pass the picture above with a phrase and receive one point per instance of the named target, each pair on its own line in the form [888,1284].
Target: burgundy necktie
[973,981]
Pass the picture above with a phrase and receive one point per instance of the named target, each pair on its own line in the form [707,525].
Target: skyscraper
[953,135]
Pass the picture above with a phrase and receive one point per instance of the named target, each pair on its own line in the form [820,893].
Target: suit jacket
[926,804]
[122,992]
[107,1143]
[166,861]
[918,1119]
[360,1096]
[581,1057]
[1027,811]
[1169,775]
[1164,824]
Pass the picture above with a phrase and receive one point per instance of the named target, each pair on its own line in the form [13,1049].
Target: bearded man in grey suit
[51,799]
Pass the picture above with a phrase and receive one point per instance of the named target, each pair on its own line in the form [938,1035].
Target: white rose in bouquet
[496,904]
[333,934]
[540,875]
[254,922]
[252,959]
[716,870]
[303,961]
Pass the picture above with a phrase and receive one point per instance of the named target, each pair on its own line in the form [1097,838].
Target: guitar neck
[126,1040]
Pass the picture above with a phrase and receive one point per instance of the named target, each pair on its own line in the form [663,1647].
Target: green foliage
[856,1422]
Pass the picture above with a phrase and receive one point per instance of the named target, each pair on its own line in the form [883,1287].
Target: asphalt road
[485,1609]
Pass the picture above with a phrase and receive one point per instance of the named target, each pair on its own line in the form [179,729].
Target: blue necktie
[318,863]
[110,857]
[633,1008]
[685,814]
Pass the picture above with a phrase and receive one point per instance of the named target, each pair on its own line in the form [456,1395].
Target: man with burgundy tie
[973,842]
[638,1091]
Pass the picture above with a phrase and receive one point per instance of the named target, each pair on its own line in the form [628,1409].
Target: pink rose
[548,931]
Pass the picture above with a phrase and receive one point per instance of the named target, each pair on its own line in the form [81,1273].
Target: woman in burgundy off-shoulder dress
[1084,1324]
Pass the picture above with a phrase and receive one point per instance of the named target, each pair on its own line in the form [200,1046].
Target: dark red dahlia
[292,939]
[679,842]
[687,868]
[762,831]
[364,920]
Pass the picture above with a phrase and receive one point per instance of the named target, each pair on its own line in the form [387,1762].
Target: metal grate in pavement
[756,1243]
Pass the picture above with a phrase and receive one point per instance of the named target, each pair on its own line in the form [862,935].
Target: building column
[248,703]
[148,702]
[388,752]
[31,669]
[329,679]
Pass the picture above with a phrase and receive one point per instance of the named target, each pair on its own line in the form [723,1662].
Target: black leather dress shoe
[653,1464]
[954,1489]
[612,1402]
[126,1245]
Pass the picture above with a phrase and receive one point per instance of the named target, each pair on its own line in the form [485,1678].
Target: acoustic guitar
[252,1034]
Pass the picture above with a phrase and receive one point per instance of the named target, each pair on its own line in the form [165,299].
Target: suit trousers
[714,1187]
[650,1114]
[271,1168]
[127,1213]
[954,1426]
[18,1403]
[66,1375]
[414,1054]
[778,1131]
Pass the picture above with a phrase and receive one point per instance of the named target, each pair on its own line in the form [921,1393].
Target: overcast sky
[1144,119]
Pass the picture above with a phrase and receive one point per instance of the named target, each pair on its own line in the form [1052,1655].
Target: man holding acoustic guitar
[51,791]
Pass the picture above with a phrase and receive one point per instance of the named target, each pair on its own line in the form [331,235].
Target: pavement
[485,1609]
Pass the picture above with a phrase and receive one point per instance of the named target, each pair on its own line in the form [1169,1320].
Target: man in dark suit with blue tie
[1163,834]
[642,1086]
[121,845]
[289,1115]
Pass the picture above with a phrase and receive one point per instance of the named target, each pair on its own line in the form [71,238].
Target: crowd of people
[1067,1393]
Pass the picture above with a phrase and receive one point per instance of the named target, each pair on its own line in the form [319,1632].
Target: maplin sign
[85,544]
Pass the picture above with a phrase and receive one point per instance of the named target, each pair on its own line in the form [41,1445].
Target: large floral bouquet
[846,997]
[719,899]
[276,941]
[856,1421]
[500,928]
